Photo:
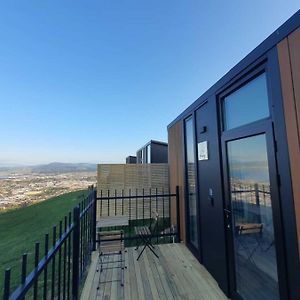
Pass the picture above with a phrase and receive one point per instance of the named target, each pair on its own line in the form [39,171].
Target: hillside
[21,228]
[55,167]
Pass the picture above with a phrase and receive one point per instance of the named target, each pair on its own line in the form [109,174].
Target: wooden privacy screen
[176,171]
[132,176]
[289,62]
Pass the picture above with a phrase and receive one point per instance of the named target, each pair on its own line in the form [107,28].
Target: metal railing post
[177,214]
[6,284]
[257,201]
[94,229]
[75,253]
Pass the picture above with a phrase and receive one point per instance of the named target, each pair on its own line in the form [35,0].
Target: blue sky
[92,81]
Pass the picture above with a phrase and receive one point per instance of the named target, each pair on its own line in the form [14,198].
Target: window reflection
[191,181]
[149,154]
[248,104]
[255,254]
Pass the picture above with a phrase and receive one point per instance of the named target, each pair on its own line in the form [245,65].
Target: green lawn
[21,228]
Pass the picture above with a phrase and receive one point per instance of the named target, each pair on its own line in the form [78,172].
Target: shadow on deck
[175,275]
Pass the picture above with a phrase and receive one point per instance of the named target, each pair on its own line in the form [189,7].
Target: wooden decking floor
[175,275]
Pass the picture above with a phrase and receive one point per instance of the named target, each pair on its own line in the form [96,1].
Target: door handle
[228,215]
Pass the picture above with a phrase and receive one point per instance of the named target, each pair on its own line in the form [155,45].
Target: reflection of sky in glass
[248,159]
[149,154]
[255,253]
[247,104]
[191,180]
[189,140]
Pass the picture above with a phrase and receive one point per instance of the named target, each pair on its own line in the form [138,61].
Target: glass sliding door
[252,219]
[252,214]
[191,182]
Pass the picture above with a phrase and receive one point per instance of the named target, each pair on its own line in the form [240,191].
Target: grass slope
[21,228]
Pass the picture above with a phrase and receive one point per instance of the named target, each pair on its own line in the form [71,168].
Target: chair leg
[150,246]
[141,252]
[141,239]
[153,252]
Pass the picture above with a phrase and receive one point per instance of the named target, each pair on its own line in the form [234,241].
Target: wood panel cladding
[289,63]
[176,173]
[133,176]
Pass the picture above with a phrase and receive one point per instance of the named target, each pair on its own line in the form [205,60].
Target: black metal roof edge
[159,142]
[153,142]
[271,41]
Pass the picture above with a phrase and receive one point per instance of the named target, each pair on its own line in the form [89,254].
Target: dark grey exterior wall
[131,160]
[159,153]
[264,55]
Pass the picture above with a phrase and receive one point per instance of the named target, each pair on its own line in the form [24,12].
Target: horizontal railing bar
[20,292]
[111,253]
[110,268]
[128,238]
[250,191]
[136,197]
[110,281]
[86,209]
[111,262]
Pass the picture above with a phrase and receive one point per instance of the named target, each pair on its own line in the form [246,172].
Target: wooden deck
[175,275]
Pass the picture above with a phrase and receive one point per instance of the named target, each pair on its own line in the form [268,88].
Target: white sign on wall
[203,151]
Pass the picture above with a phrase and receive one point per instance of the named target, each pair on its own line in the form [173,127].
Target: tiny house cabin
[154,152]
[235,155]
[131,159]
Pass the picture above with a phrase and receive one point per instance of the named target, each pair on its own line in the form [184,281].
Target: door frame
[263,126]
[197,252]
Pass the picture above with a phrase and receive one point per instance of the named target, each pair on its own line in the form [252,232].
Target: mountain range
[55,167]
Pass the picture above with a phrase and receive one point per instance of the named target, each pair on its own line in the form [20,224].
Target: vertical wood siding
[176,172]
[289,62]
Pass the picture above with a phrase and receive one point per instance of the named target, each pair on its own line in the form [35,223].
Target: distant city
[23,186]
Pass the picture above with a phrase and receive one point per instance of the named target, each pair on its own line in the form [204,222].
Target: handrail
[71,251]
[71,257]
[30,279]
[135,196]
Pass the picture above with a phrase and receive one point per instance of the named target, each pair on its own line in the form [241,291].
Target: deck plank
[108,279]
[177,274]
[145,278]
[132,277]
[135,267]
[177,289]
[101,278]
[126,277]
[151,277]
[115,280]
[162,277]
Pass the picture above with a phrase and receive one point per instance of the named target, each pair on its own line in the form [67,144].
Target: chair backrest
[154,222]
[250,228]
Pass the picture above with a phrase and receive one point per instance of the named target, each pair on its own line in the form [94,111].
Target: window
[191,181]
[149,154]
[247,104]
[252,215]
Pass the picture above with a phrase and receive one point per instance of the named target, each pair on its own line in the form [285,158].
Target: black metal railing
[60,272]
[139,207]
[248,201]
[258,194]
[63,267]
